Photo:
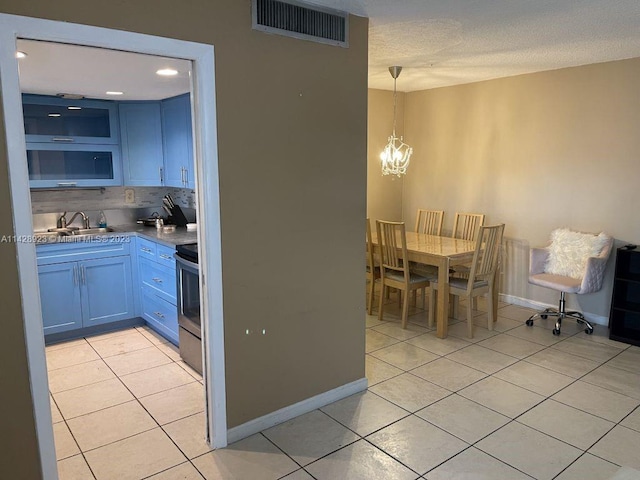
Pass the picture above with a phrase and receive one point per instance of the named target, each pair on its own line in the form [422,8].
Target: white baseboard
[525,302]
[287,413]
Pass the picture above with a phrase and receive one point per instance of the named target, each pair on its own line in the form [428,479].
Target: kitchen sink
[62,231]
[57,234]
[49,236]
[92,231]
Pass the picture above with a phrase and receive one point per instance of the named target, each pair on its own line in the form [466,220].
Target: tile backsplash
[107,198]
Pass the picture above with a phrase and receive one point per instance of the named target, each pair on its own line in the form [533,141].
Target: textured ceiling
[449,42]
[437,42]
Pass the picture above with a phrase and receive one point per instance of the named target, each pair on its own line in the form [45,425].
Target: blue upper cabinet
[99,143]
[141,143]
[62,121]
[57,165]
[71,143]
[178,142]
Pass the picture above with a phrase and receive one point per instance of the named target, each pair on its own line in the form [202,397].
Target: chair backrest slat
[429,221]
[466,225]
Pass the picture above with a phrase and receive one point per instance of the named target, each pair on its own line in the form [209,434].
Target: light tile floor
[512,403]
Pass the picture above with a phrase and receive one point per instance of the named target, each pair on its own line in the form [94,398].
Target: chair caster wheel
[588,331]
[556,331]
[544,317]
[529,322]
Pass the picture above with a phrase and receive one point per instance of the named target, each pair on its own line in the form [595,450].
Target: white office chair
[573,262]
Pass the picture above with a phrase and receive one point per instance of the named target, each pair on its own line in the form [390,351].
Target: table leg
[442,319]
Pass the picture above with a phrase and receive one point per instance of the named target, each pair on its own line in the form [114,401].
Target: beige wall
[537,152]
[384,193]
[19,455]
[292,155]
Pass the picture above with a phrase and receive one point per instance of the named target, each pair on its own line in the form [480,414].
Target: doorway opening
[13,29]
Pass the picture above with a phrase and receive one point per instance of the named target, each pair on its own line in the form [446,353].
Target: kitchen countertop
[179,236]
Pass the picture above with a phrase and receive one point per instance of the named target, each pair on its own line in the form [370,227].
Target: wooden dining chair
[466,225]
[394,268]
[429,221]
[373,270]
[481,278]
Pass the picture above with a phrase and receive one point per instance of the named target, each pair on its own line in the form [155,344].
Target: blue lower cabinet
[157,280]
[107,294]
[161,315]
[60,297]
[160,278]
[82,294]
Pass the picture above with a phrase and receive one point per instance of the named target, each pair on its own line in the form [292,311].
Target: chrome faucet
[63,222]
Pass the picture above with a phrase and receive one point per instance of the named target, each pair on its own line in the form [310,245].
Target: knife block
[177,216]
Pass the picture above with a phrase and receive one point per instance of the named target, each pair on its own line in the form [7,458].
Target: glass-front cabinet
[53,165]
[71,143]
[58,120]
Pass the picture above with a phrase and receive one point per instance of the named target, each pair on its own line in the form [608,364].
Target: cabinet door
[161,315]
[60,297]
[141,134]
[178,141]
[53,165]
[107,294]
[58,120]
[159,278]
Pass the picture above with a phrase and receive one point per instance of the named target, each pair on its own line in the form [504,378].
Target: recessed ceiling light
[74,108]
[114,93]
[167,72]
[54,114]
[20,54]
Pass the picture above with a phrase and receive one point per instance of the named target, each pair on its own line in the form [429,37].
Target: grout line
[545,397]
[390,455]
[167,469]
[136,399]
[402,372]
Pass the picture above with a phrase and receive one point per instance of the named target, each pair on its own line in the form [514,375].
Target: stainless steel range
[190,327]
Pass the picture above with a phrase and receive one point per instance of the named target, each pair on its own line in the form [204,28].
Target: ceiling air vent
[299,20]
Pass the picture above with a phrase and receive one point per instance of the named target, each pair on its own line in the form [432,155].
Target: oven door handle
[187,264]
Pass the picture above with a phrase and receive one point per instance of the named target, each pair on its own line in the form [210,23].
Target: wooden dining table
[443,253]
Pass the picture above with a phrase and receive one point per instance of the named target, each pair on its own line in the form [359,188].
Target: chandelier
[396,154]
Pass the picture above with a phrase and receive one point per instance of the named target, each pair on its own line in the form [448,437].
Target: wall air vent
[300,20]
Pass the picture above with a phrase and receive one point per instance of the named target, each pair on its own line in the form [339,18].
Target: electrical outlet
[129,195]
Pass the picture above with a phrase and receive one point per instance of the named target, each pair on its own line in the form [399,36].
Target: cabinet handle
[165,256]
[75,275]
[157,280]
[186,177]
[158,314]
[145,249]
[83,275]
[161,175]
[62,139]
